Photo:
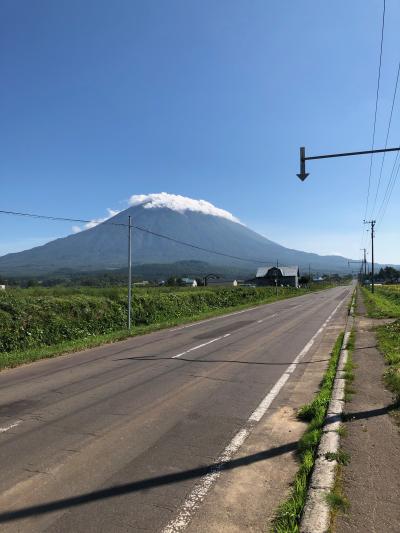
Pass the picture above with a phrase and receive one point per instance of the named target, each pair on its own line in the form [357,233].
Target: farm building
[272,275]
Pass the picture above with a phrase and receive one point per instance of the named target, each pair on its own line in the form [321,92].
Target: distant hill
[104,246]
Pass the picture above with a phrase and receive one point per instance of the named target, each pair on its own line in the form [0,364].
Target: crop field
[42,322]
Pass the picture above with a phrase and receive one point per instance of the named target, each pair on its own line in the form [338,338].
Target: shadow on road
[348,417]
[144,484]
[365,347]
[159,358]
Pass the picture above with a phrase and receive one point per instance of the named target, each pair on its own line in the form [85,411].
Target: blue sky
[101,100]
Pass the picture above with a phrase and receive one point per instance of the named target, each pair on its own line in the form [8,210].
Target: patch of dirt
[243,498]
[246,499]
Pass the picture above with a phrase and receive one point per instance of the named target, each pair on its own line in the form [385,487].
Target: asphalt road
[118,438]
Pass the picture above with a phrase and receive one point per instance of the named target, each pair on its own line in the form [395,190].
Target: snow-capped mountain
[102,244]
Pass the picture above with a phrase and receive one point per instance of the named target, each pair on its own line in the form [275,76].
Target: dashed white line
[7,428]
[266,318]
[200,322]
[200,490]
[200,346]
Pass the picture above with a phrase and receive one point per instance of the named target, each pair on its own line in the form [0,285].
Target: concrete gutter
[316,515]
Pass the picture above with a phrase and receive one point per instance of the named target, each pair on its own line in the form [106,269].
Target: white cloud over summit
[96,221]
[176,202]
[179,203]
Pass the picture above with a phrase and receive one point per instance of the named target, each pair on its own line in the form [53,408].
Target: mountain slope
[105,245]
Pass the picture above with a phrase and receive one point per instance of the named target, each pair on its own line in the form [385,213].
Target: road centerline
[11,426]
[200,346]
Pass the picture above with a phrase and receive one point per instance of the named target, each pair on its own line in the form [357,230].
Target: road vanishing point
[143,434]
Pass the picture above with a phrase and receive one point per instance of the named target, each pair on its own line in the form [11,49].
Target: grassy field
[39,322]
[385,303]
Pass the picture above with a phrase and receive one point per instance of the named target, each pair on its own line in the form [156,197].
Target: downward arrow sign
[303,174]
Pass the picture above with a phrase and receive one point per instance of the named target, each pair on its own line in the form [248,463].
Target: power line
[58,219]
[389,189]
[376,106]
[145,230]
[387,136]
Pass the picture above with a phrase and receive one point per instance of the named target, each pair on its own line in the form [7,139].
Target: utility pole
[129,271]
[372,222]
[309,276]
[365,262]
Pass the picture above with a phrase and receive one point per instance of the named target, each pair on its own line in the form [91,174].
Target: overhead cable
[376,107]
[145,230]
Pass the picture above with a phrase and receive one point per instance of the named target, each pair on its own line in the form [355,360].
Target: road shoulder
[245,499]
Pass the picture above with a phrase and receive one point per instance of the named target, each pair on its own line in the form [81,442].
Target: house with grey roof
[277,275]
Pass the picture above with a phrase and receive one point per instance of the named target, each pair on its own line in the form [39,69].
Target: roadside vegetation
[337,499]
[43,322]
[288,516]
[385,303]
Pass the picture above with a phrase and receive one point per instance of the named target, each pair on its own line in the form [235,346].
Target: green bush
[38,317]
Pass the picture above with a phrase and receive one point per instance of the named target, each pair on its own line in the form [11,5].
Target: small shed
[278,275]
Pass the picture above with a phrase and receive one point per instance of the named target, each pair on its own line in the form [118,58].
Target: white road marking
[200,346]
[7,428]
[200,490]
[266,318]
[200,322]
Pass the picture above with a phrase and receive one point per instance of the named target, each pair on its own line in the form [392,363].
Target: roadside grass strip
[389,344]
[289,513]
[348,370]
[385,303]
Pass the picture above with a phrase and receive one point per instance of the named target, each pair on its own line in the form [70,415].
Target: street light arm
[303,174]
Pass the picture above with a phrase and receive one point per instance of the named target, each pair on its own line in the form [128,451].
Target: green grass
[336,498]
[342,431]
[341,457]
[337,501]
[36,324]
[388,338]
[349,369]
[288,516]
[385,303]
